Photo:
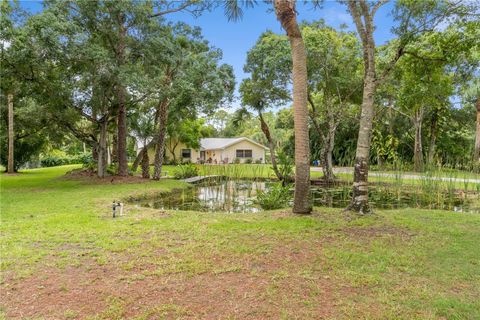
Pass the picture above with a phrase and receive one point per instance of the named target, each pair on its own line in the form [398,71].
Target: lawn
[64,257]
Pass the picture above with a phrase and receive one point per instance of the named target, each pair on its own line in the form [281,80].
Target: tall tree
[10,167]
[269,63]
[363,14]
[334,68]
[183,74]
[287,15]
[413,18]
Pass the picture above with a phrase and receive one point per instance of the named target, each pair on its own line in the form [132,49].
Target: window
[186,153]
[244,153]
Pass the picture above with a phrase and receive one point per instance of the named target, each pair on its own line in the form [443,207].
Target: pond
[240,195]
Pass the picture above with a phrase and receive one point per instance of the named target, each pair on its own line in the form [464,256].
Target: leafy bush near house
[249,160]
[258,161]
[184,171]
[275,198]
[236,160]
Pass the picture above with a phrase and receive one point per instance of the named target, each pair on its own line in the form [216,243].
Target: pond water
[239,196]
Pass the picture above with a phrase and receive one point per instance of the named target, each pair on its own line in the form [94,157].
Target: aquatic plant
[278,196]
[184,171]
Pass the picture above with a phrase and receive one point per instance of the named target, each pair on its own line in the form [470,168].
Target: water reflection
[227,196]
[240,196]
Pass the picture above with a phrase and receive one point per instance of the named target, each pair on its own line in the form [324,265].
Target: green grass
[399,264]
[265,171]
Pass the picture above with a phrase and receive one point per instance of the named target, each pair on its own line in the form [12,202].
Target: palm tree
[287,15]
[10,166]
[255,95]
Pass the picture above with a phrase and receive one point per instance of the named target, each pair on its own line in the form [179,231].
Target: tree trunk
[145,164]
[433,138]
[95,144]
[476,154]
[271,146]
[360,178]
[327,160]
[160,147]
[114,148]
[418,148]
[10,164]
[102,150]
[122,112]
[364,23]
[286,14]
[138,159]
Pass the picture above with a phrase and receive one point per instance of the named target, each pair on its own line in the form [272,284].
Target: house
[215,151]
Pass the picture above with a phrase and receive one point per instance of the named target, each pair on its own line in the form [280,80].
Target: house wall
[178,152]
[229,153]
[258,153]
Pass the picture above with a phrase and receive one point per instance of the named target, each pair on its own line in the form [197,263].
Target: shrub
[184,171]
[285,166]
[275,198]
[236,160]
[249,160]
[112,169]
[58,158]
[258,161]
[52,161]
[84,158]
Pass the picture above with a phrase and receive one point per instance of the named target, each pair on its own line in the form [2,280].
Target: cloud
[337,16]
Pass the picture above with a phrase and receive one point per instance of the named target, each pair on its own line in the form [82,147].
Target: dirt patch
[89,176]
[378,232]
[284,281]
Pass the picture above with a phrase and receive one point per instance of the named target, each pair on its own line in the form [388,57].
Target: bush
[236,160]
[59,158]
[184,171]
[84,158]
[258,161]
[275,198]
[52,161]
[249,160]
[112,169]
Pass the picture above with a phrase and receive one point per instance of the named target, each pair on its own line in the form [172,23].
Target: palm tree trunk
[271,146]
[122,112]
[160,147]
[476,154]
[418,148]
[286,14]
[10,163]
[145,164]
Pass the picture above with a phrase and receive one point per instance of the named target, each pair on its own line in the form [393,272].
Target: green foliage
[184,171]
[384,147]
[58,158]
[277,197]
[285,165]
[112,169]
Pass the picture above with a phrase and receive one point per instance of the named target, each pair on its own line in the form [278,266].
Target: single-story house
[215,151]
